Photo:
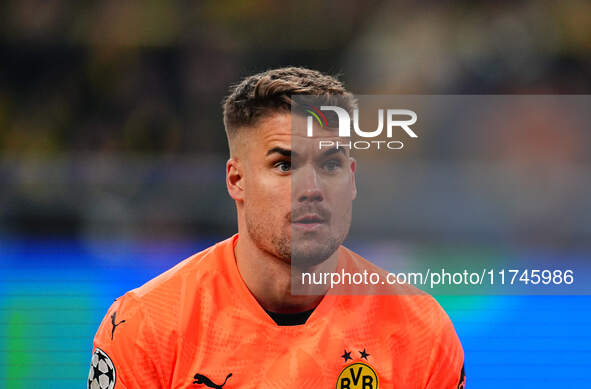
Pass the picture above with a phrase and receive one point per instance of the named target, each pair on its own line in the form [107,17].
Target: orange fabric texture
[197,323]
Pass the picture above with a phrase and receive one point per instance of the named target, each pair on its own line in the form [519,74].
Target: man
[226,317]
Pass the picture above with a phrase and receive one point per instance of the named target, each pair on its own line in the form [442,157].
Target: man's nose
[307,186]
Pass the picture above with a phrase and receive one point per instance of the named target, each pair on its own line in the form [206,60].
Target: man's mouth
[308,222]
[309,219]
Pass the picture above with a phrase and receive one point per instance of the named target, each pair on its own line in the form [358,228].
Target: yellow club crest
[357,375]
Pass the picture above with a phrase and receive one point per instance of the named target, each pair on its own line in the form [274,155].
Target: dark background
[108,110]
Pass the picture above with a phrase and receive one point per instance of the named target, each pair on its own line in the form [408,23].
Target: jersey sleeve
[446,364]
[121,357]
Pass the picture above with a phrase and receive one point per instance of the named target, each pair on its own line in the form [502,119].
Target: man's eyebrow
[282,151]
[333,151]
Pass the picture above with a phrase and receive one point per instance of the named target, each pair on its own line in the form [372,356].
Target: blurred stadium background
[112,150]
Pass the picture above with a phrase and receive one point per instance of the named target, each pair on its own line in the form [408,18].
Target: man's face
[297,198]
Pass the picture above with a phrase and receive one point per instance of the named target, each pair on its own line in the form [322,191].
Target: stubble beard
[306,252]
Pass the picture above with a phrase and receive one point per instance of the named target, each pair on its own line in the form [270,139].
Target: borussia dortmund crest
[357,375]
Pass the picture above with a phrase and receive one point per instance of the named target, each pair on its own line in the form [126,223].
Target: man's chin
[306,254]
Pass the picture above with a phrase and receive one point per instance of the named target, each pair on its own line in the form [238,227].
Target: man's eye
[331,165]
[284,166]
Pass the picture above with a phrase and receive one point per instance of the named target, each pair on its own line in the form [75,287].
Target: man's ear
[235,179]
[353,165]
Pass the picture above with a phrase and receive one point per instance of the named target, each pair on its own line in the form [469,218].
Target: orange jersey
[198,326]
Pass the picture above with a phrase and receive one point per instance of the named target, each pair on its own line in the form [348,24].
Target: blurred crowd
[110,117]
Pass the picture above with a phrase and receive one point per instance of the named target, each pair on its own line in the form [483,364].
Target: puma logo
[462,383]
[114,324]
[201,379]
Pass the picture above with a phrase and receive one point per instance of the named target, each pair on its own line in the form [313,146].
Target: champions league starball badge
[102,371]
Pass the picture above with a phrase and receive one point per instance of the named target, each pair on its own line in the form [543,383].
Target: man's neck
[269,279]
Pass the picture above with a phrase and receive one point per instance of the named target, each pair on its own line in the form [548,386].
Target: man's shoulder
[149,320]
[164,295]
[193,266]
[407,307]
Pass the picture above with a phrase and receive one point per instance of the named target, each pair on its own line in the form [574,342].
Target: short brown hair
[260,94]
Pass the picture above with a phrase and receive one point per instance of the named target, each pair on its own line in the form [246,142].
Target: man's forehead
[301,152]
[285,142]
[293,128]
[286,134]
